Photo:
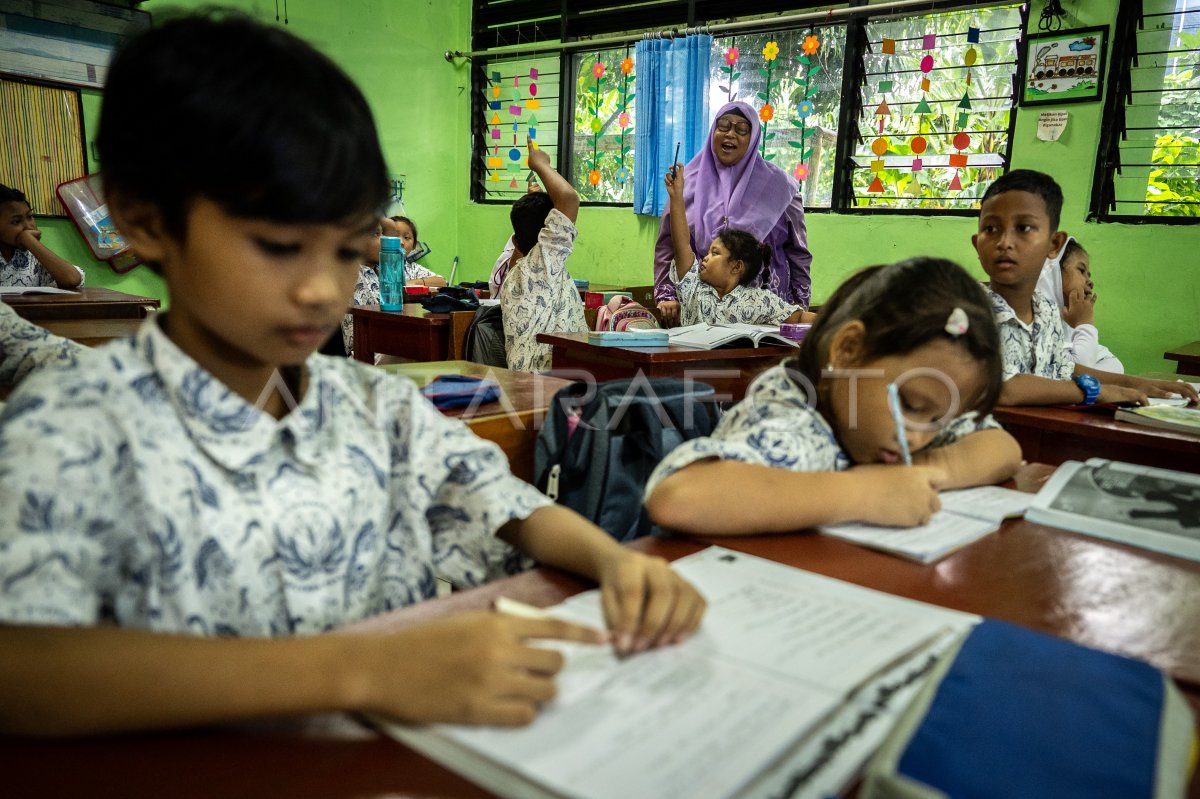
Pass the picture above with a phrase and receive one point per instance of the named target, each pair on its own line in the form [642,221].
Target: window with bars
[818,90]
[1148,169]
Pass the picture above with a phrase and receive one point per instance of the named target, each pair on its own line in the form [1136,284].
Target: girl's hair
[408,222]
[904,306]
[1073,247]
[744,247]
[243,114]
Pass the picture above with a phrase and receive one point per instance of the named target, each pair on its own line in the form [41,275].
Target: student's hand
[471,669]
[28,235]
[1165,388]
[1110,392]
[646,604]
[674,181]
[669,310]
[1079,308]
[538,160]
[899,496]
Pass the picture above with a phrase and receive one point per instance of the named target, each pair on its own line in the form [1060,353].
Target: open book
[1143,506]
[1166,417]
[966,516]
[709,337]
[792,681]
[34,290]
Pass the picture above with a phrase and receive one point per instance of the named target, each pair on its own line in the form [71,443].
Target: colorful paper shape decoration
[930,41]
[958,160]
[876,186]
[965,102]
[885,86]
[956,184]
[532,133]
[513,185]
[925,84]
[495,133]
[877,165]
[962,119]
[962,140]
[927,64]
[533,73]
[495,120]
[515,110]
[494,105]
[880,145]
[533,90]
[889,46]
[918,144]
[495,76]
[495,91]
[514,154]
[533,103]
[917,165]
[494,163]
[973,35]
[971,56]
[923,107]
[883,110]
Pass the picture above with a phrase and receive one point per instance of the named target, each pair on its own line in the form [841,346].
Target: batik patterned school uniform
[1039,348]
[366,292]
[539,296]
[414,271]
[26,347]
[699,302]
[24,269]
[777,425]
[190,510]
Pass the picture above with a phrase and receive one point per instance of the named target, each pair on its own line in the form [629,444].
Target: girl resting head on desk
[886,403]
[234,496]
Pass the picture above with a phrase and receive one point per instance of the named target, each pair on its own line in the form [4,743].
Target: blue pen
[898,418]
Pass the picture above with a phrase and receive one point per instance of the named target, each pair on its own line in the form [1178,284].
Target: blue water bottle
[391,274]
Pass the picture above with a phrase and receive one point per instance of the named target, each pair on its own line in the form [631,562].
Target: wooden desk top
[88,303]
[413,314]
[520,392]
[672,353]
[1098,424]
[1095,592]
[1185,352]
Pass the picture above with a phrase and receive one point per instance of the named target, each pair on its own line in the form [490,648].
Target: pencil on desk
[511,607]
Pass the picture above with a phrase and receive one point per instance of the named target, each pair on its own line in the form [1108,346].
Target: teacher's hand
[669,310]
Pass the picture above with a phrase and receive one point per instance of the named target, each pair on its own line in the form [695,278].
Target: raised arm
[561,192]
[680,234]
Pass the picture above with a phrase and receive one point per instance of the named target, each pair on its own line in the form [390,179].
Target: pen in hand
[898,418]
[675,160]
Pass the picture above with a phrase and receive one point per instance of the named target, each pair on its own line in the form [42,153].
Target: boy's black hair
[904,306]
[408,222]
[240,113]
[1072,247]
[1034,182]
[11,195]
[528,217]
[744,247]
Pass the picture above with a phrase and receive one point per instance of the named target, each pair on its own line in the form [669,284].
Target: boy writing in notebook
[236,496]
[1018,231]
[538,294]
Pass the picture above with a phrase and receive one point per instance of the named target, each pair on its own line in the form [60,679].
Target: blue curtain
[672,107]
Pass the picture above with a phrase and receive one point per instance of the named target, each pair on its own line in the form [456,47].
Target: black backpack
[485,338]
[623,429]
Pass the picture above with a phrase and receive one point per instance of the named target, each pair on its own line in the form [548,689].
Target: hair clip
[957,323]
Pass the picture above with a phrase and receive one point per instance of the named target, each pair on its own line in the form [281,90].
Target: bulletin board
[43,141]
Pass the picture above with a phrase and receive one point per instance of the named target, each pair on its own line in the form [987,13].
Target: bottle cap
[389,244]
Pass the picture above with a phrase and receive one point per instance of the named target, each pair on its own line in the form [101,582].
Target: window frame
[1112,128]
[575,26]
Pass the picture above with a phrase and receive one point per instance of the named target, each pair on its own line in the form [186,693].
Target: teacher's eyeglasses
[741,128]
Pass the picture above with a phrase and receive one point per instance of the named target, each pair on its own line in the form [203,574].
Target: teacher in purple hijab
[729,185]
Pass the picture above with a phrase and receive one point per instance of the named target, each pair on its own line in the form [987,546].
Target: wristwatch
[1090,387]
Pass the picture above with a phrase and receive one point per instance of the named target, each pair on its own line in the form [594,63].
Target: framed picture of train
[1065,67]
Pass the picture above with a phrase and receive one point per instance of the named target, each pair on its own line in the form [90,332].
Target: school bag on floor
[601,442]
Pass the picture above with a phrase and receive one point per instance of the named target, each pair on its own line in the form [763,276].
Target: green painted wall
[1147,277]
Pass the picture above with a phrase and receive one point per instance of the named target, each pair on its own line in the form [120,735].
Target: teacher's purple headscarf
[751,195]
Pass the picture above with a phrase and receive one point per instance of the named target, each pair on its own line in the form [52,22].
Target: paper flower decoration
[627,66]
[811,43]
[766,113]
[598,70]
[731,56]
[622,175]
[597,125]
[804,108]
[623,120]
[800,172]
[594,177]
[770,51]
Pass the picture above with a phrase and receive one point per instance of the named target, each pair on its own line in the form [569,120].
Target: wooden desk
[1187,358]
[91,317]
[1052,435]
[729,371]
[513,421]
[1098,593]
[413,334]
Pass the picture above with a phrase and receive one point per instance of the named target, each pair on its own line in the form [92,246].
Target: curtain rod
[670,33]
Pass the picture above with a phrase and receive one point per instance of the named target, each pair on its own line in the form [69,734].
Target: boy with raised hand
[1018,231]
[235,496]
[538,294]
[24,260]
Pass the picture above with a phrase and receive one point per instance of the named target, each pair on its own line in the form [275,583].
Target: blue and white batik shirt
[699,302]
[776,425]
[539,296]
[26,347]
[136,488]
[366,292]
[1040,348]
[26,270]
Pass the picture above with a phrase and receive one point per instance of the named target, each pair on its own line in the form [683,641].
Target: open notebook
[704,336]
[791,682]
[966,516]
